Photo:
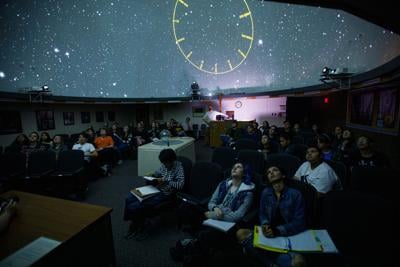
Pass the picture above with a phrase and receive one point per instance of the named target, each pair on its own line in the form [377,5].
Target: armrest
[78,171]
[187,198]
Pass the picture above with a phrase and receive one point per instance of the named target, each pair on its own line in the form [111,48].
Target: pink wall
[259,108]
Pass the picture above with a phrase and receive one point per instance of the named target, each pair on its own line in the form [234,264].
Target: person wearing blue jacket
[281,213]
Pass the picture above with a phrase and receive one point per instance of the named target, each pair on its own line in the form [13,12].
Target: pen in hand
[289,244]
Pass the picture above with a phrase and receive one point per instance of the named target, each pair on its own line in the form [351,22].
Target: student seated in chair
[171,179]
[317,173]
[229,202]
[282,213]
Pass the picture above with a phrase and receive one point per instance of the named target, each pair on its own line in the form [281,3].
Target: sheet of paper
[220,225]
[326,241]
[31,253]
[304,241]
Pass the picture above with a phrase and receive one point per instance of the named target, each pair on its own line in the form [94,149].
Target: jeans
[265,257]
[137,211]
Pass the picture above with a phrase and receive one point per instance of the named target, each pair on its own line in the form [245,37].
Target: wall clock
[214,36]
[238,104]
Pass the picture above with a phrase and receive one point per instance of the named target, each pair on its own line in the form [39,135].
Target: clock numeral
[241,53]
[176,21]
[247,37]
[180,40]
[183,3]
[188,55]
[230,64]
[216,68]
[244,15]
[201,64]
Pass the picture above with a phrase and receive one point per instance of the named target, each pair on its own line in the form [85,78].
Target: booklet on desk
[307,241]
[144,192]
[219,225]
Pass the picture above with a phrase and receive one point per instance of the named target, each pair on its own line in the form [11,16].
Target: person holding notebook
[170,179]
[281,213]
[230,201]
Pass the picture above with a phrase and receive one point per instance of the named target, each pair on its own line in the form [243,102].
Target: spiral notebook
[307,241]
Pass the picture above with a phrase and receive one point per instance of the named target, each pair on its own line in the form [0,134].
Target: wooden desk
[84,230]
[221,127]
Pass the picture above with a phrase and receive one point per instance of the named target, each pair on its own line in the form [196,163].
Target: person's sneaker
[141,234]
[132,231]
[105,169]
[131,234]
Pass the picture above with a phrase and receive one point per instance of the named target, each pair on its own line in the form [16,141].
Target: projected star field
[127,49]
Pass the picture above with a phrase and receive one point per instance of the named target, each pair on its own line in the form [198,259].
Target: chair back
[70,161]
[246,143]
[300,150]
[341,171]
[252,158]
[224,156]
[351,219]
[297,140]
[13,164]
[366,179]
[288,162]
[41,163]
[204,179]
[310,196]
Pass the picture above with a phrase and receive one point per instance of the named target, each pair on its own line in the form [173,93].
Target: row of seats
[349,216]
[17,172]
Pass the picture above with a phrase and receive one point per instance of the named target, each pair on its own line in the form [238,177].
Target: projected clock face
[238,104]
[214,36]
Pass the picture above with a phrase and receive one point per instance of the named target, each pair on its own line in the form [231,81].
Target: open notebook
[144,192]
[307,241]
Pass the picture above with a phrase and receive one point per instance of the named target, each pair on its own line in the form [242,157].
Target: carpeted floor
[112,191]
